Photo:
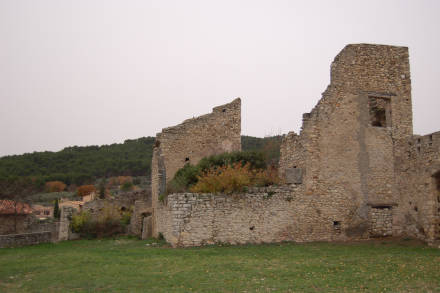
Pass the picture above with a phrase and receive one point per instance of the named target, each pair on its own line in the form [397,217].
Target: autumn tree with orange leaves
[86,190]
[55,186]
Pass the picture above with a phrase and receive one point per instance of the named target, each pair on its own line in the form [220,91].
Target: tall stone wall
[418,170]
[194,139]
[292,154]
[347,142]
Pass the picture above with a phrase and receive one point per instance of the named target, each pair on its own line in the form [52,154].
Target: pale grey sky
[89,72]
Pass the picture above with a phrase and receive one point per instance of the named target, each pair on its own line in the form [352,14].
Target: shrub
[183,179]
[86,190]
[226,179]
[233,178]
[266,177]
[79,220]
[189,175]
[108,222]
[127,186]
[55,186]
[126,218]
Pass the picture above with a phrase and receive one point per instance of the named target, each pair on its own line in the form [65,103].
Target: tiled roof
[10,207]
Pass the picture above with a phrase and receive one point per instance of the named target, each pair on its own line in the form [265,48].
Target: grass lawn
[132,266]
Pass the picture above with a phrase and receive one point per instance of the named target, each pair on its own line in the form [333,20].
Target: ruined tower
[347,145]
[194,139]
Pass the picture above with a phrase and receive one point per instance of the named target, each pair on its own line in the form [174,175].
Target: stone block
[294,176]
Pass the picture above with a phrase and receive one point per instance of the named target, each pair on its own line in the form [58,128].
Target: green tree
[102,188]
[56,209]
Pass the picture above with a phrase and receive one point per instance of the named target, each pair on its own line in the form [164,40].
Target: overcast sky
[87,72]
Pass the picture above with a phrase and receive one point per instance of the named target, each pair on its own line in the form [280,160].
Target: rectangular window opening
[337,226]
[380,112]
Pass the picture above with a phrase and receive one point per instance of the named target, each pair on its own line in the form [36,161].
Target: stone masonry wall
[142,209]
[189,142]
[342,150]
[11,224]
[381,221]
[355,170]
[417,167]
[13,240]
[292,154]
[270,214]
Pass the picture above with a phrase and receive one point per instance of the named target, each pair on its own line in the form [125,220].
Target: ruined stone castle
[355,170]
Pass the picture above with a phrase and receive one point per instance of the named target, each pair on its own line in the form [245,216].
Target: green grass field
[130,265]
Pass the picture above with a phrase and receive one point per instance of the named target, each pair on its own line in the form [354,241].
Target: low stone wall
[13,240]
[272,214]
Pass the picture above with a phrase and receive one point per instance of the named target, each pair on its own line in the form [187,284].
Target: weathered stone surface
[13,240]
[363,172]
[294,176]
[381,221]
[141,210]
[347,147]
[418,173]
[271,214]
[147,227]
[189,142]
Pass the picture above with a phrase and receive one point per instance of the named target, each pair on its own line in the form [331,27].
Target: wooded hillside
[81,165]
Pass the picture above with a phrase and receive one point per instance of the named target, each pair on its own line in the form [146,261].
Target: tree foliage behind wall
[83,165]
[269,146]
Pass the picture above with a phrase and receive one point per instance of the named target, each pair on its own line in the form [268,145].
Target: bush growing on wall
[184,178]
[233,178]
[188,176]
[236,169]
